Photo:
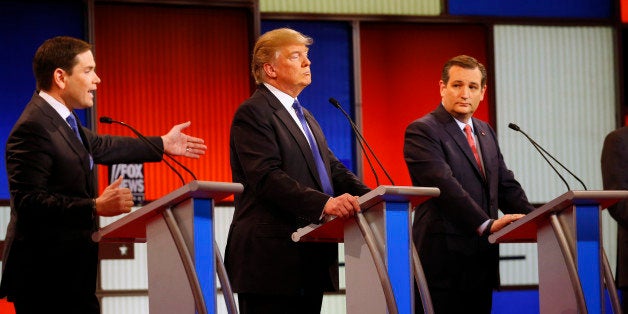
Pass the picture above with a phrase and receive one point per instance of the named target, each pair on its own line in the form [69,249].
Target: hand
[178,143]
[114,200]
[505,221]
[343,206]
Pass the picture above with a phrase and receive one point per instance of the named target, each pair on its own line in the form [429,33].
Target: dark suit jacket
[437,154]
[615,177]
[49,248]
[282,192]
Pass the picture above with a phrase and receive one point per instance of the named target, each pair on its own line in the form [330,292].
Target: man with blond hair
[291,179]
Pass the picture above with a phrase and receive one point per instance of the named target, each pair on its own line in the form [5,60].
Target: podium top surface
[333,230]
[524,229]
[132,227]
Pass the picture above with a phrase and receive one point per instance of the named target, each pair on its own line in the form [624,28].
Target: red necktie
[467,131]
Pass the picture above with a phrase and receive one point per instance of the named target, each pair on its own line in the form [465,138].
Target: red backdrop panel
[401,67]
[161,66]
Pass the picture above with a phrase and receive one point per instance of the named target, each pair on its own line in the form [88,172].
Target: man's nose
[465,92]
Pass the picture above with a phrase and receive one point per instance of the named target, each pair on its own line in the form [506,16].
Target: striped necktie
[471,140]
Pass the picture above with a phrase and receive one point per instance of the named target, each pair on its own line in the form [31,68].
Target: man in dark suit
[50,261]
[291,179]
[450,231]
[615,177]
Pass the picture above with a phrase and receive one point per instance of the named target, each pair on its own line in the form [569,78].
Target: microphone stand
[154,147]
[361,139]
[367,234]
[539,149]
[178,238]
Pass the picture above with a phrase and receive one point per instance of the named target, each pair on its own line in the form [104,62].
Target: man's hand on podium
[343,206]
[505,221]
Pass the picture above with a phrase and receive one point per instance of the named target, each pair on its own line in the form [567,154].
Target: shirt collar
[285,99]
[60,108]
[461,124]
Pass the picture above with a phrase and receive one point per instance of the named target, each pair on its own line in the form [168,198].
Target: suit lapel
[295,131]
[65,131]
[487,146]
[452,128]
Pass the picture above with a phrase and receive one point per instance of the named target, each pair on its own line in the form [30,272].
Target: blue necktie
[320,166]
[72,121]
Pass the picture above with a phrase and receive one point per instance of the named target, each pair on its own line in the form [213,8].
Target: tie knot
[296,105]
[467,129]
[72,121]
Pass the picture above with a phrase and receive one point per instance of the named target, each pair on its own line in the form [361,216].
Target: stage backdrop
[25,26]
[332,76]
[163,65]
[401,66]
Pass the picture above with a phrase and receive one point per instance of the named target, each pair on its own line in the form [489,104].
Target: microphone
[543,152]
[361,140]
[154,147]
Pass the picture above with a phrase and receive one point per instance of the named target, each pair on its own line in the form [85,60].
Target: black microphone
[543,152]
[154,147]
[361,140]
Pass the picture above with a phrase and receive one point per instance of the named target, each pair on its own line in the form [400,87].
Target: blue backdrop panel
[23,27]
[332,76]
[533,8]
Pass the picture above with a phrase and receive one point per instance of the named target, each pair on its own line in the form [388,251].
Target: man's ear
[270,70]
[59,77]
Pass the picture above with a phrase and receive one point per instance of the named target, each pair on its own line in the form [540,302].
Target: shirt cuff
[485,228]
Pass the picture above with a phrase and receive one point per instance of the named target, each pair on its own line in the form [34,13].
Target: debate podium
[388,212]
[179,232]
[568,234]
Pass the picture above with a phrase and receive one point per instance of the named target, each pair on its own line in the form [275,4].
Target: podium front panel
[203,252]
[399,254]
[179,232]
[588,254]
[568,232]
[169,288]
[167,284]
[391,226]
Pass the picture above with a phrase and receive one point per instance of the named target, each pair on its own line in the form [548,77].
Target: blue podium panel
[179,232]
[204,250]
[588,255]
[399,254]
[570,257]
[378,248]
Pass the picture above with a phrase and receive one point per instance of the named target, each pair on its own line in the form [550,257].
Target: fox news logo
[133,178]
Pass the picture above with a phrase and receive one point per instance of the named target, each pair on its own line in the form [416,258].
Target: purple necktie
[320,166]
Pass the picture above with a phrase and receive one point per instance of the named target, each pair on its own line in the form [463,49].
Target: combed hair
[267,47]
[56,53]
[465,62]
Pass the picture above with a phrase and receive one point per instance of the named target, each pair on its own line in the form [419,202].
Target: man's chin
[85,105]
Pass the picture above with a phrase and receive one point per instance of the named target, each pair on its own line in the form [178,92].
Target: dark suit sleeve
[267,168]
[107,149]
[614,167]
[427,157]
[32,158]
[48,183]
